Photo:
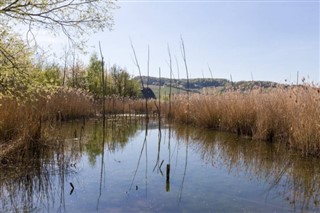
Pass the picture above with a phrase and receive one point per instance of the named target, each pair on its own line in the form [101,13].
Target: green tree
[80,77]
[77,76]
[16,79]
[94,74]
[123,84]
[52,74]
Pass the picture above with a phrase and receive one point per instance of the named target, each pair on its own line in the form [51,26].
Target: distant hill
[197,84]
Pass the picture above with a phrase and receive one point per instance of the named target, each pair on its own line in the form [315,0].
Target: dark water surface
[125,169]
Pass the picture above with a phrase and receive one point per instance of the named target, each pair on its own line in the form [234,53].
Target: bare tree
[74,18]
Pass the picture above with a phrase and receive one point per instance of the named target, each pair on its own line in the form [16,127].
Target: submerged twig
[72,188]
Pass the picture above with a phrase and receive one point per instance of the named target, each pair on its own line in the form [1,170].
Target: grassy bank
[290,115]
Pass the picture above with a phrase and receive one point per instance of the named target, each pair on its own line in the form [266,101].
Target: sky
[242,40]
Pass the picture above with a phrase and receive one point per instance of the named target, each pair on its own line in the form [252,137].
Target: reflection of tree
[295,177]
[117,135]
[36,177]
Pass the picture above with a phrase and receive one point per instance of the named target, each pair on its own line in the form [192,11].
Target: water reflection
[133,165]
[27,182]
[115,137]
[294,177]
[33,178]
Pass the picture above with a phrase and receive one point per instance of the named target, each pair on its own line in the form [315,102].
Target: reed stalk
[103,87]
[183,52]
[170,87]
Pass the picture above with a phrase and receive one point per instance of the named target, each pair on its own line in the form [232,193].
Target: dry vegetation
[123,105]
[22,121]
[290,115]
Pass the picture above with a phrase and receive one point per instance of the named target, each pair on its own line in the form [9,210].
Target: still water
[137,167]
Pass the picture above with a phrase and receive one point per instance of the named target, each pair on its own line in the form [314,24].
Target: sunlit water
[125,169]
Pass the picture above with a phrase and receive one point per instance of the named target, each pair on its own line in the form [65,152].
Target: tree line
[118,80]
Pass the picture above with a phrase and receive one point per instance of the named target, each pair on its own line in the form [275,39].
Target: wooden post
[168,178]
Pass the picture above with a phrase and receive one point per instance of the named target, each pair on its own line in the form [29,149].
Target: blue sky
[270,40]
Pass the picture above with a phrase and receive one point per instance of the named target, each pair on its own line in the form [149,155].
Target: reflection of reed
[158,164]
[168,169]
[27,184]
[34,178]
[185,165]
[146,173]
[138,164]
[102,163]
[296,178]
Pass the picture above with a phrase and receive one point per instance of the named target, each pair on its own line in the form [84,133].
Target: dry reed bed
[121,105]
[22,120]
[290,115]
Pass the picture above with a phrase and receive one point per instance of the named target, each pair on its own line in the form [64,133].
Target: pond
[134,166]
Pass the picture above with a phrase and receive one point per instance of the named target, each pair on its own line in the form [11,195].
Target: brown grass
[120,105]
[290,115]
[23,120]
[70,103]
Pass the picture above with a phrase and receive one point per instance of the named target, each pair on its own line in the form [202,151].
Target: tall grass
[286,114]
[70,103]
[124,105]
[23,120]
[290,115]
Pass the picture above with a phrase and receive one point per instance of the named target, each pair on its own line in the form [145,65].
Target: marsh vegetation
[288,114]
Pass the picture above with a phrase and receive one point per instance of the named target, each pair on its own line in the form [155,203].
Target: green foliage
[123,85]
[94,76]
[115,137]
[52,75]
[78,76]
[18,76]
[118,82]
